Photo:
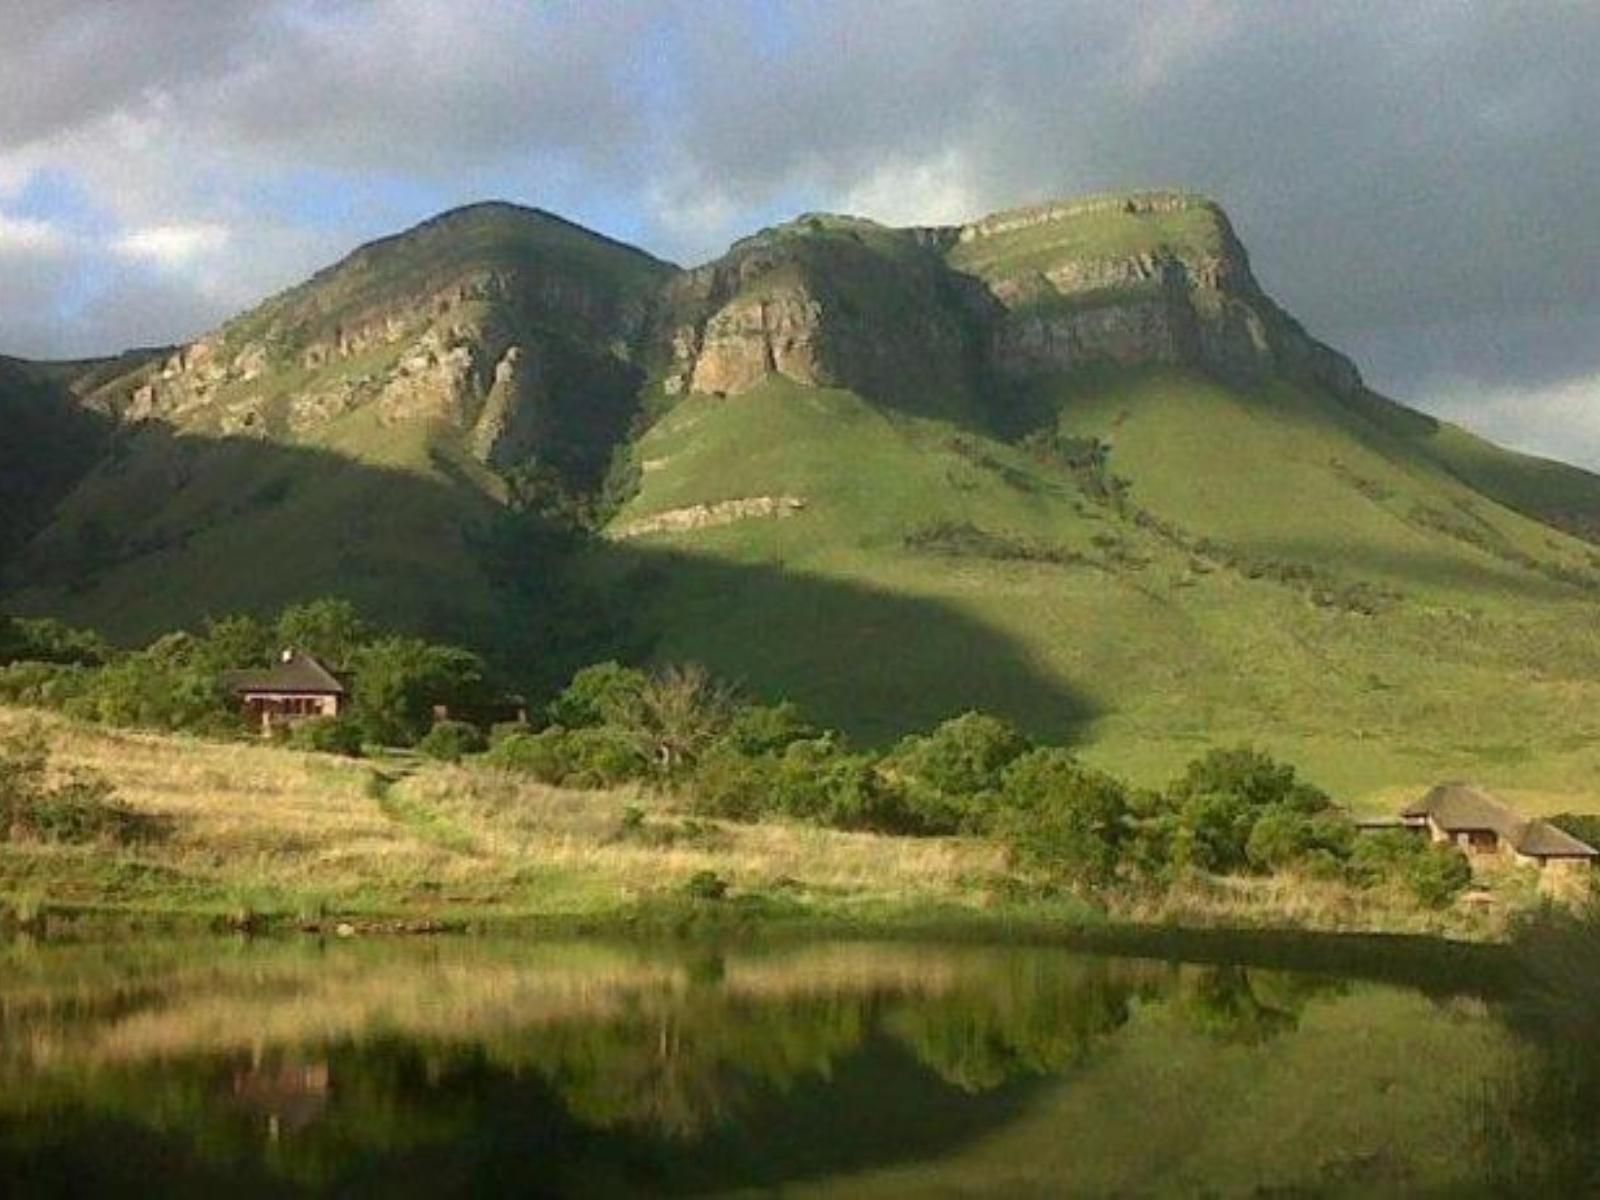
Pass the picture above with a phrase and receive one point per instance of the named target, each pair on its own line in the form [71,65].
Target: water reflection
[461,1068]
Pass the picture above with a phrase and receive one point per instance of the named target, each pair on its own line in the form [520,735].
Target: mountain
[1069,463]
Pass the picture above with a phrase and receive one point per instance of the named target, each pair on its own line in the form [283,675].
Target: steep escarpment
[929,319]
[828,302]
[1155,278]
[512,329]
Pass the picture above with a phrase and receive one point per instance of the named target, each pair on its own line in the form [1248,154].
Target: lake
[455,1067]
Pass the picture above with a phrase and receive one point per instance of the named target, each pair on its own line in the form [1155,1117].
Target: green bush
[326,735]
[734,785]
[82,807]
[591,758]
[399,682]
[541,755]
[501,730]
[1064,818]
[1438,875]
[41,684]
[821,781]
[706,885]
[451,741]
[599,695]
[44,639]
[768,729]
[1284,837]
[1253,779]
[961,761]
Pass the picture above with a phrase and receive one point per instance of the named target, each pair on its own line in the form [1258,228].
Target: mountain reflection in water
[458,1067]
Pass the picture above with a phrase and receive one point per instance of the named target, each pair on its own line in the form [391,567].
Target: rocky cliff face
[509,327]
[828,302]
[1149,278]
[528,337]
[1138,279]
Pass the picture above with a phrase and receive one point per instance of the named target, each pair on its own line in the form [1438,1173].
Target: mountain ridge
[1075,456]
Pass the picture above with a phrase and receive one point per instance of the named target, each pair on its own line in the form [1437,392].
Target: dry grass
[261,827]
[257,829]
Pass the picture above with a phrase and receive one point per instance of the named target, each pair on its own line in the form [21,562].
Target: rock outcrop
[511,327]
[904,315]
[709,516]
[531,338]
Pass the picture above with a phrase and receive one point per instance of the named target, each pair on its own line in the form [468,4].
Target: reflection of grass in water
[774,1066]
[1542,1124]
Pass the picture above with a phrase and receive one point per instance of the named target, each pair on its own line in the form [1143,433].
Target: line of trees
[179,681]
[1230,812]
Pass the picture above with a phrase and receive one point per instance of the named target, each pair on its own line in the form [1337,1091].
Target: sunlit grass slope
[1280,569]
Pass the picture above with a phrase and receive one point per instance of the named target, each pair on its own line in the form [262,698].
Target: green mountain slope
[354,434]
[1070,463]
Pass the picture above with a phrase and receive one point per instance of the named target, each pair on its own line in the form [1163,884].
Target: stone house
[294,688]
[1488,829]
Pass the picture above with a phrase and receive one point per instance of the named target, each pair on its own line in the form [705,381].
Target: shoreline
[1467,965]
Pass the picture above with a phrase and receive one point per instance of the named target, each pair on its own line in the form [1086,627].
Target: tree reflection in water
[580,1070]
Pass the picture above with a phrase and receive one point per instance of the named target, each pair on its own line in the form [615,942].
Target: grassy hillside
[1141,561]
[246,832]
[1274,568]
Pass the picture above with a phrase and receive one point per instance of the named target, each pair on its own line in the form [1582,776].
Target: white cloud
[1561,420]
[26,236]
[171,246]
[941,190]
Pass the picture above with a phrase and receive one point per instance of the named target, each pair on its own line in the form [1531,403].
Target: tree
[1064,818]
[399,681]
[599,695]
[952,774]
[1249,776]
[676,715]
[238,641]
[330,629]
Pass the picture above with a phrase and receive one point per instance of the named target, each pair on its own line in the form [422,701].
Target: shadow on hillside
[169,530]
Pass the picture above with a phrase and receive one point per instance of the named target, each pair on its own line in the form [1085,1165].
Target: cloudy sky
[1419,182]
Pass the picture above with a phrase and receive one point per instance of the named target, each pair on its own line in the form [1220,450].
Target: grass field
[1354,606]
[257,834]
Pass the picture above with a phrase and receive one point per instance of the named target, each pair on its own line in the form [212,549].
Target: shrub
[44,639]
[501,730]
[962,757]
[1284,837]
[819,780]
[598,695]
[400,680]
[950,778]
[451,741]
[675,716]
[82,807]
[1438,875]
[1064,818]
[44,684]
[706,885]
[570,757]
[768,729]
[1250,777]
[327,735]
[600,758]
[728,783]
[541,755]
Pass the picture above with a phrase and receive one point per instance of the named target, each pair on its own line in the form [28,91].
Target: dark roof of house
[1547,841]
[1460,807]
[294,672]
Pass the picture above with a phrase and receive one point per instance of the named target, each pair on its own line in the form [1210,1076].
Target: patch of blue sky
[55,196]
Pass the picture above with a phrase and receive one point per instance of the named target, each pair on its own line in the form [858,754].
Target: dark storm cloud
[1419,182]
